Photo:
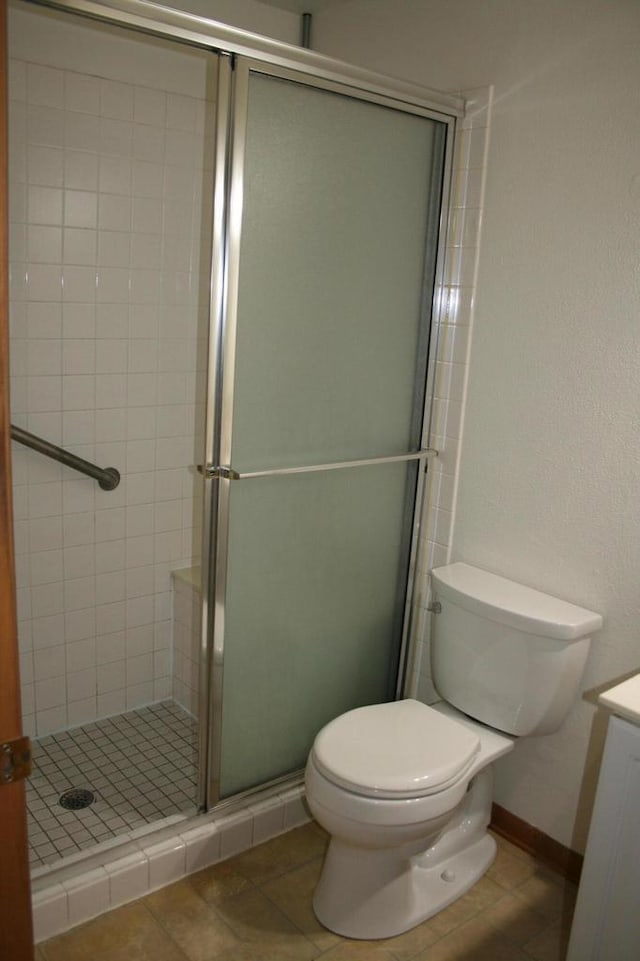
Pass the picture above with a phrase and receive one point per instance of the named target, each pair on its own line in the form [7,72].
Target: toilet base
[351,900]
[370,893]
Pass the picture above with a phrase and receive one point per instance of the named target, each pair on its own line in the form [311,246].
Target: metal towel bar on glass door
[108,477]
[228,473]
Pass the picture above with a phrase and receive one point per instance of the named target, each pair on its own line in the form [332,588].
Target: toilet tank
[506,654]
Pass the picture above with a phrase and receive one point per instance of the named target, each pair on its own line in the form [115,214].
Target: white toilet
[404,789]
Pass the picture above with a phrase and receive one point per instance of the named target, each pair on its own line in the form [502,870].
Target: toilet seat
[395,751]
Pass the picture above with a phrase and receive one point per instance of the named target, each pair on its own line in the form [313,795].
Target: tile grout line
[108,739]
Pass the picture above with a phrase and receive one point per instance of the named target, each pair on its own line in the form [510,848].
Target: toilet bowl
[404,789]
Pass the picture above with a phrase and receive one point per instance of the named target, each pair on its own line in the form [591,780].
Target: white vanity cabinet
[606,924]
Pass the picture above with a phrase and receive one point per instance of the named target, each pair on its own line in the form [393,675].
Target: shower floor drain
[76,798]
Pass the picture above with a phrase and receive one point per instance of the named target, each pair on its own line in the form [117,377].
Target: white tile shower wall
[456,319]
[106,182]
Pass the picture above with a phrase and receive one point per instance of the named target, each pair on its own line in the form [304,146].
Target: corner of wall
[455,326]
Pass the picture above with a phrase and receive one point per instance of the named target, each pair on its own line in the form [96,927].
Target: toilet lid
[403,749]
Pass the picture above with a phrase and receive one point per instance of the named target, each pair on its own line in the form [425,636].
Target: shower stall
[225,257]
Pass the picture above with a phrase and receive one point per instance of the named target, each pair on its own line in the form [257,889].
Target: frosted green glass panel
[335,264]
[313,621]
[332,257]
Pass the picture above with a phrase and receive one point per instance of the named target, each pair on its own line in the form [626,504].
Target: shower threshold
[141,767]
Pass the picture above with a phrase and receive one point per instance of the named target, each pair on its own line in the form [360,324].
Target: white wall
[550,469]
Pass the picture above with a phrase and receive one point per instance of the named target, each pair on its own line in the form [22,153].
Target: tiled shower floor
[141,766]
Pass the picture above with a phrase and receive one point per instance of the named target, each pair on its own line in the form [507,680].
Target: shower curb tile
[268,819]
[88,895]
[236,833]
[295,810]
[128,879]
[59,907]
[167,862]
[50,912]
[202,847]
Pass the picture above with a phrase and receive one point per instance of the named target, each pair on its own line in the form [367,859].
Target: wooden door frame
[16,937]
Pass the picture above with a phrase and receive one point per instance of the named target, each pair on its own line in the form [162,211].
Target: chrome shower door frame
[218,470]
[239,52]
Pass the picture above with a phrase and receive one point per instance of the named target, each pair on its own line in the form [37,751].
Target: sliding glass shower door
[319,364]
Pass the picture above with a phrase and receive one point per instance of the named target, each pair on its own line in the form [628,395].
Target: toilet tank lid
[507,602]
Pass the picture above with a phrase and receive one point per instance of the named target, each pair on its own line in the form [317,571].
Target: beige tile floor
[257,907]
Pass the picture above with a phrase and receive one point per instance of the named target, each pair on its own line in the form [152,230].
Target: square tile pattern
[257,907]
[108,322]
[141,766]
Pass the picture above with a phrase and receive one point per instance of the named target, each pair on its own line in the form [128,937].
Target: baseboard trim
[566,862]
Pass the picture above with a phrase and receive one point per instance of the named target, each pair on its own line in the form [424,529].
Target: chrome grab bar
[108,477]
[228,473]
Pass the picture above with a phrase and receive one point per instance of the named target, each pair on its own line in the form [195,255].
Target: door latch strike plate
[15,760]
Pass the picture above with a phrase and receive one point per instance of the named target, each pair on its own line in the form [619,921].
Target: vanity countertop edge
[624,699]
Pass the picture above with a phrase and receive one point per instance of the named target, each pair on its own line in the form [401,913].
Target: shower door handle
[217,472]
